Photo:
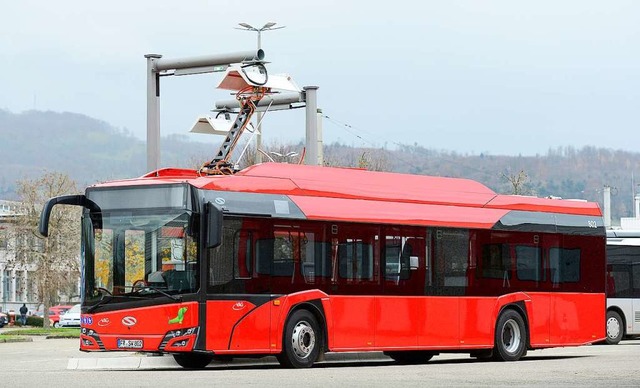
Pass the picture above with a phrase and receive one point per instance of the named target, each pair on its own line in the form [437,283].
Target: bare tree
[54,261]
[374,160]
[248,157]
[518,182]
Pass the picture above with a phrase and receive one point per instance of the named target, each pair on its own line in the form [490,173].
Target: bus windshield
[139,255]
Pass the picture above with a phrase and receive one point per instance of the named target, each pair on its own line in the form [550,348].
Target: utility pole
[267,27]
[311,125]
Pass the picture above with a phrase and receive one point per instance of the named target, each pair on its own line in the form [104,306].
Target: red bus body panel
[365,322]
[149,324]
[237,326]
[361,323]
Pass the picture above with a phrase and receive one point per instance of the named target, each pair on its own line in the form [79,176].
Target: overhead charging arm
[248,99]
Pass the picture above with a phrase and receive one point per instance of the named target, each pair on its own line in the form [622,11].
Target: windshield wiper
[105,299]
[176,298]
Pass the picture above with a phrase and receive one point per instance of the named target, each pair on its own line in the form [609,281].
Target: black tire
[510,337]
[302,341]
[193,360]
[411,357]
[615,328]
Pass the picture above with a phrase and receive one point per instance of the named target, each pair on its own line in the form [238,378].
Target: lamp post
[284,157]
[267,27]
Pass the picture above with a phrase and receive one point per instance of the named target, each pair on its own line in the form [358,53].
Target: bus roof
[370,196]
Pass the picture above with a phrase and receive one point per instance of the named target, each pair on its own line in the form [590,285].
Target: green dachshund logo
[178,318]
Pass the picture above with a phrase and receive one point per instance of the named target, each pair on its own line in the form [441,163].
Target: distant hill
[87,149]
[91,150]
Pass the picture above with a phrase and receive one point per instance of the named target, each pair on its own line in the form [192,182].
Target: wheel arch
[520,308]
[314,307]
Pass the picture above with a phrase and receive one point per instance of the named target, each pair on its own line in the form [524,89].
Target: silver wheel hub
[303,339]
[511,336]
[613,328]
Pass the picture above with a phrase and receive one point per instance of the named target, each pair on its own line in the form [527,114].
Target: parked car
[55,312]
[4,319]
[71,318]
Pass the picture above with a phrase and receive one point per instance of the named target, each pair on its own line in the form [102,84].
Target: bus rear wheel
[510,337]
[411,356]
[302,341]
[615,329]
[193,360]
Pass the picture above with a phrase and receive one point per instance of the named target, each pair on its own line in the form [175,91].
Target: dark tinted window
[623,271]
[355,259]
[496,262]
[564,265]
[450,262]
[221,259]
[528,263]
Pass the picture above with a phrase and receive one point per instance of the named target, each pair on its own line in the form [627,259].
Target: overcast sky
[499,77]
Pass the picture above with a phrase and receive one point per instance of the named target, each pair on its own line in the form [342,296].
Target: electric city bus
[295,261]
[623,284]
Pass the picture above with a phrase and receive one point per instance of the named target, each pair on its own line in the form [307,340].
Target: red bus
[295,261]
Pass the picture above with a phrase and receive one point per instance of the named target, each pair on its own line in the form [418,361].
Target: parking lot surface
[59,363]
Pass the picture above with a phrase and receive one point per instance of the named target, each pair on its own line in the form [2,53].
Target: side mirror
[214,225]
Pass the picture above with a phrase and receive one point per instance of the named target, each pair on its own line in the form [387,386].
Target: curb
[18,338]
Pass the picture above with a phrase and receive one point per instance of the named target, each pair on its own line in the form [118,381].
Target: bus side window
[528,263]
[244,254]
[496,262]
[565,265]
[283,254]
[611,282]
[264,256]
[312,260]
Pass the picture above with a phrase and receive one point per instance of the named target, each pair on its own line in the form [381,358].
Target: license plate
[129,344]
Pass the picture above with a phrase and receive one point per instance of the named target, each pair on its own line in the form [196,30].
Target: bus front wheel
[510,337]
[302,341]
[615,329]
[193,360]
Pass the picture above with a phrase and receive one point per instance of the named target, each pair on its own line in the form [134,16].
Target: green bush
[35,321]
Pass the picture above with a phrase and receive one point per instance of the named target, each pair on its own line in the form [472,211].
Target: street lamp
[267,27]
[284,157]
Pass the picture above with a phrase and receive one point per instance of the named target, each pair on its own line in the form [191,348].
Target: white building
[15,286]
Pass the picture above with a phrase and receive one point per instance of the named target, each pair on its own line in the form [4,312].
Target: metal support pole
[319,138]
[274,101]
[259,117]
[153,113]
[607,207]
[259,137]
[208,60]
[311,125]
